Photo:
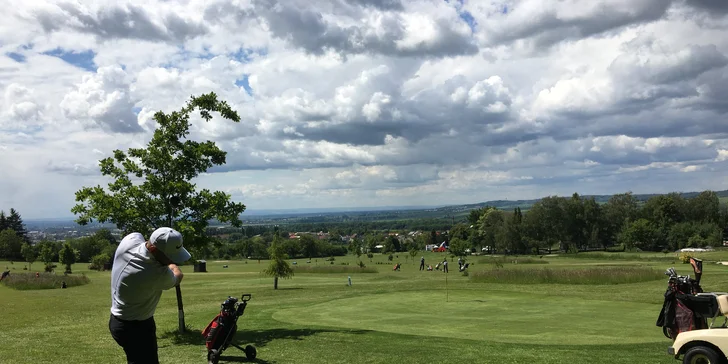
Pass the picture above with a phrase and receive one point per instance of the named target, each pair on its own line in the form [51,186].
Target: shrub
[28,281]
[99,261]
[49,267]
[591,276]
[333,269]
[685,257]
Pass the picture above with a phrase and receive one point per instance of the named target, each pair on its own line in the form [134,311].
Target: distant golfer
[444,266]
[5,274]
[422,263]
[142,269]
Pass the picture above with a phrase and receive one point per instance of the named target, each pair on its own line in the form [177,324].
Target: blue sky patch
[243,82]
[245,55]
[17,57]
[468,18]
[83,59]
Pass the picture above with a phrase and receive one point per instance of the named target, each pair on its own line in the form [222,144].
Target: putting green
[493,316]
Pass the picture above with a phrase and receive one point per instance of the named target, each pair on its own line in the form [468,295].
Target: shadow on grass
[242,359]
[257,338]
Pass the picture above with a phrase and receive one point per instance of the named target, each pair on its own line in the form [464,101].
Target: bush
[49,267]
[28,281]
[592,276]
[333,269]
[685,257]
[99,261]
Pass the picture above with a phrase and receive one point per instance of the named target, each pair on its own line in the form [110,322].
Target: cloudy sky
[372,102]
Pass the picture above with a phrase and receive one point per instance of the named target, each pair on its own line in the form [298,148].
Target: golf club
[174,201]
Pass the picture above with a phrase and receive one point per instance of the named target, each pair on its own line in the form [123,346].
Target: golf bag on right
[684,309]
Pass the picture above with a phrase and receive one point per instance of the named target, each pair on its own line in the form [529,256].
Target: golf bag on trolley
[220,331]
[684,309]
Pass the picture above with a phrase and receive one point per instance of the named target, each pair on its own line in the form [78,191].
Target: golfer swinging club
[141,271]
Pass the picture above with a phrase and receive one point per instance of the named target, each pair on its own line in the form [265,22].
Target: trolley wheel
[213,357]
[250,352]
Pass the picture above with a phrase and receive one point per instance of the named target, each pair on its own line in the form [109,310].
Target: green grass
[332,269]
[590,275]
[28,281]
[408,316]
[512,260]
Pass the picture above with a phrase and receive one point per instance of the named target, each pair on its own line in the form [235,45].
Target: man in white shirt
[141,270]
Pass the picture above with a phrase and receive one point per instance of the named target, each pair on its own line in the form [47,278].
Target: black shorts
[137,338]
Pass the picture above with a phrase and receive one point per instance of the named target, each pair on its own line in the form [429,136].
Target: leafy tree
[47,252]
[704,208]
[164,196]
[105,234]
[413,252]
[458,247]
[3,221]
[308,246]
[621,209]
[537,231]
[680,234]
[355,247]
[67,256]
[475,215]
[29,254]
[391,244]
[89,246]
[278,267]
[10,245]
[641,234]
[460,231]
[490,223]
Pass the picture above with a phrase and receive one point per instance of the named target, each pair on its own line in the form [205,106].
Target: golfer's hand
[177,272]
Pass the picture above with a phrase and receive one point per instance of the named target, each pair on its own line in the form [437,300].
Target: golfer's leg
[142,347]
[148,342]
[125,333]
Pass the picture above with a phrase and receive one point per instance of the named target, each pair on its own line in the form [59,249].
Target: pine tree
[3,221]
[15,222]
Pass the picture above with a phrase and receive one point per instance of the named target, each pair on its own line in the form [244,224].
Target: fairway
[487,316]
[405,316]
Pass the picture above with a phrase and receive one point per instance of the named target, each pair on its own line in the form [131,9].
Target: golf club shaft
[180,309]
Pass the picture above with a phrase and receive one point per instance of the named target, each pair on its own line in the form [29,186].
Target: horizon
[314,210]
[371,103]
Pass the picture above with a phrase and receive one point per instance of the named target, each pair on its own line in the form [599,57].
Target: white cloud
[371,102]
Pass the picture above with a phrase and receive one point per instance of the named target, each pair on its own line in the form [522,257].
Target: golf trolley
[220,331]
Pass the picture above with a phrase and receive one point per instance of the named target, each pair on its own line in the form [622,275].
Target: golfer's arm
[177,273]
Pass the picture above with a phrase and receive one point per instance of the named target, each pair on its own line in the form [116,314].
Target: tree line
[662,223]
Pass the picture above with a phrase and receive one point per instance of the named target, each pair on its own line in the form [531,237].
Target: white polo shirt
[137,280]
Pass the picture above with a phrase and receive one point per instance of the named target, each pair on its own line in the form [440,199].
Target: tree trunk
[275,283]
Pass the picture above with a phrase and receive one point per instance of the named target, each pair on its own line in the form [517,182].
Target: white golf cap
[169,242]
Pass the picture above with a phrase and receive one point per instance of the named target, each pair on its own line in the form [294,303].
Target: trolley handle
[245,297]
